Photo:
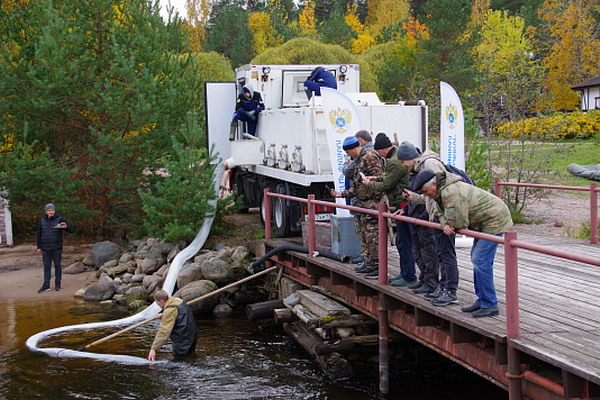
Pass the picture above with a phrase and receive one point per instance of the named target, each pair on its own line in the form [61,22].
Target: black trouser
[447,257]
[426,255]
[49,256]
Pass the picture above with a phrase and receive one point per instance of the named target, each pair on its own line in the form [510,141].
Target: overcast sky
[179,6]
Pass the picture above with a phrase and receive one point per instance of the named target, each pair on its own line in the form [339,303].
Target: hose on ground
[297,249]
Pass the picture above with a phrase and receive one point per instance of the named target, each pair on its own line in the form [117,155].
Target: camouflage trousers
[369,238]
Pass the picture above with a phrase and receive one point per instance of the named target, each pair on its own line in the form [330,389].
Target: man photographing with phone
[50,244]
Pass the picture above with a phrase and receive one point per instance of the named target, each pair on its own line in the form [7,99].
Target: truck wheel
[281,212]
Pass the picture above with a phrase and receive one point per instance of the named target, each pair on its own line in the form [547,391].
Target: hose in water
[154,309]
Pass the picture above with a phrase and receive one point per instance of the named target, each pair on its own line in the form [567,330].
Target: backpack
[457,171]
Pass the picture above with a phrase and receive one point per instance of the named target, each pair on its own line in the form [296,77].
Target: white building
[6,237]
[589,91]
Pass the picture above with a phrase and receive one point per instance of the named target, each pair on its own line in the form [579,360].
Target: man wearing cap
[459,206]
[367,163]
[50,244]
[445,293]
[393,181]
[366,142]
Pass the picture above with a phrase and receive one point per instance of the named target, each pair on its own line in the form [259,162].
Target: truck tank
[290,152]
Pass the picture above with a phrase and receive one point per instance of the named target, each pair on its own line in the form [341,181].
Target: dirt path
[21,273]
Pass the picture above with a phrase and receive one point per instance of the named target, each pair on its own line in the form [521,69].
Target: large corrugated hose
[154,309]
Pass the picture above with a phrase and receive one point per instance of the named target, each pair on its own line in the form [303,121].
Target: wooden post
[383,246]
[497,188]
[593,213]
[512,315]
[267,213]
[312,229]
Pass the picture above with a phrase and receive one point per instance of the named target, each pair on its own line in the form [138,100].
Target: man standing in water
[50,244]
[178,323]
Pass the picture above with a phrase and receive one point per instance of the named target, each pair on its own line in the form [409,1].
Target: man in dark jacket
[393,181]
[50,244]
[248,106]
[178,323]
[318,78]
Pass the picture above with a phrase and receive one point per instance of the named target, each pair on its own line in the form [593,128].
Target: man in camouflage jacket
[367,163]
[459,206]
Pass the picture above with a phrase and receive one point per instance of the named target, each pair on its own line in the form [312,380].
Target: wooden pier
[557,348]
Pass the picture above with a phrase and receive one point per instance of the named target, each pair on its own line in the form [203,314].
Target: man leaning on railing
[459,206]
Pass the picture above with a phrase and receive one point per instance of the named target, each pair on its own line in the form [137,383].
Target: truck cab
[290,153]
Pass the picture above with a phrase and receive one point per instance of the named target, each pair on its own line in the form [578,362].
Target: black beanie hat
[382,141]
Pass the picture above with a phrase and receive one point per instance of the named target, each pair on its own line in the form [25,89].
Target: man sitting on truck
[319,77]
[248,106]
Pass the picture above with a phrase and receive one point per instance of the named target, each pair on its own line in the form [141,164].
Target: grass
[583,152]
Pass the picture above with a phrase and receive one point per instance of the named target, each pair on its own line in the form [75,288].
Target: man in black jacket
[177,323]
[50,244]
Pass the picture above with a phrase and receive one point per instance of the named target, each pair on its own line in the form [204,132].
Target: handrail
[511,246]
[593,189]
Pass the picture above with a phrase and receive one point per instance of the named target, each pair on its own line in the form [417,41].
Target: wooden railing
[593,189]
[511,246]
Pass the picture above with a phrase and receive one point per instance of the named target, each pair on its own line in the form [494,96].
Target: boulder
[174,251]
[151,264]
[196,289]
[138,278]
[163,271]
[189,272]
[222,310]
[224,254]
[80,293]
[127,277]
[104,251]
[125,258]
[216,270]
[137,292]
[104,277]
[99,292]
[75,268]
[118,269]
[200,258]
[88,261]
[121,289]
[240,253]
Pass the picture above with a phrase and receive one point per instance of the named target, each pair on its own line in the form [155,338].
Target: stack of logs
[323,327]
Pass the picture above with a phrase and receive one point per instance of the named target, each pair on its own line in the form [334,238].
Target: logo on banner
[340,118]
[451,115]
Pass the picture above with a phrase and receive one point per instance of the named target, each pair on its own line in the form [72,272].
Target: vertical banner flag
[452,127]
[342,120]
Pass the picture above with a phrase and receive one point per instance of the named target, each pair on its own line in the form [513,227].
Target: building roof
[589,83]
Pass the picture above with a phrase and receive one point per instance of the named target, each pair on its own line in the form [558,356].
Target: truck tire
[286,213]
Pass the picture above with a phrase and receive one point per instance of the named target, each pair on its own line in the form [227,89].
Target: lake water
[235,360]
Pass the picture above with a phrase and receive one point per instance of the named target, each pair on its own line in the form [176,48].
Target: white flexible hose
[154,309]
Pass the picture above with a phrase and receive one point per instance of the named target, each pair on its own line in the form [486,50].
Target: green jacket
[167,322]
[461,205]
[395,174]
[369,163]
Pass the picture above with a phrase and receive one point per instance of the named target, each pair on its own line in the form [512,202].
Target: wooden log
[305,316]
[281,315]
[339,347]
[262,310]
[333,364]
[346,321]
[321,305]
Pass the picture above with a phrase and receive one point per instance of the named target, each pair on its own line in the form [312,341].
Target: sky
[179,6]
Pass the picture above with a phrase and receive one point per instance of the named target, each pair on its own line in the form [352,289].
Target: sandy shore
[21,273]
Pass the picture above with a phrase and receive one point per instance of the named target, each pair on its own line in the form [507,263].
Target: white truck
[290,152]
